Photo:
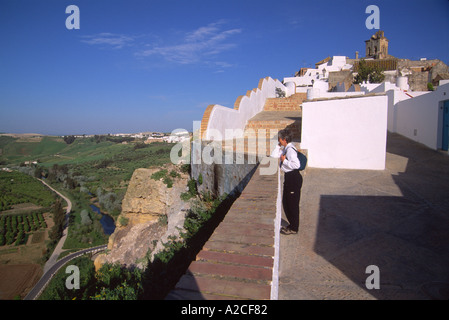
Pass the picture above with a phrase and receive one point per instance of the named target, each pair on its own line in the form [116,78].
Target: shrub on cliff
[166,177]
[200,212]
[192,190]
[115,282]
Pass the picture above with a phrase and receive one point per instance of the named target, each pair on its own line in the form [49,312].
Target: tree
[58,218]
[20,238]
[280,93]
[69,139]
[85,218]
[71,183]
[367,73]
[9,237]
[38,172]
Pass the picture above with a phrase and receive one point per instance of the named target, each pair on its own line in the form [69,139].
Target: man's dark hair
[285,134]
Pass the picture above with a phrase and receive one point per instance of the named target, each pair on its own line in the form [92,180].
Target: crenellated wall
[217,118]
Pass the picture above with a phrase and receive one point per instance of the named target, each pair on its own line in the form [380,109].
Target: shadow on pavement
[406,236]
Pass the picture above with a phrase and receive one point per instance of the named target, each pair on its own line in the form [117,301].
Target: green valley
[89,171]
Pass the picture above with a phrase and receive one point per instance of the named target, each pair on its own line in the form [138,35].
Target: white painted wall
[336,63]
[222,118]
[346,133]
[394,96]
[420,118]
[377,87]
[290,88]
[320,94]
[302,81]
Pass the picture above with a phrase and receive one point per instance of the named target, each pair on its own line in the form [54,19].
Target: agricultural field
[25,205]
[49,150]
[23,246]
[100,163]
[16,228]
[14,150]
[95,169]
[86,170]
[18,188]
[17,280]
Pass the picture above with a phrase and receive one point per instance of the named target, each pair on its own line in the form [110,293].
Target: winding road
[45,279]
[54,256]
[53,264]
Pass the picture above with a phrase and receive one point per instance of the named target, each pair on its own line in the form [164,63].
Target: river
[106,220]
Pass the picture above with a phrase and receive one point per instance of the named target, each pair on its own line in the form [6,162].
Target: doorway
[445,144]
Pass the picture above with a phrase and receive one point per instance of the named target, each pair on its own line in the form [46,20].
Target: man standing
[292,182]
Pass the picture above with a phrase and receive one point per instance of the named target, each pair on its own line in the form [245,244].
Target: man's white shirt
[291,161]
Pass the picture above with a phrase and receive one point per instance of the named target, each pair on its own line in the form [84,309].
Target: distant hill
[50,150]
[28,147]
[21,135]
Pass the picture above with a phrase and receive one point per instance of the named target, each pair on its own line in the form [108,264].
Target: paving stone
[224,288]
[396,219]
[260,225]
[232,229]
[242,238]
[240,259]
[237,260]
[243,248]
[228,270]
[351,219]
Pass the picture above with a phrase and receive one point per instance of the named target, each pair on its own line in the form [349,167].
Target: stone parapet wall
[222,176]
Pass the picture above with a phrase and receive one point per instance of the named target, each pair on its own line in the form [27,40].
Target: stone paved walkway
[397,219]
[237,261]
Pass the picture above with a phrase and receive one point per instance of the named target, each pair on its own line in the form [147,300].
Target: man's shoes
[287,231]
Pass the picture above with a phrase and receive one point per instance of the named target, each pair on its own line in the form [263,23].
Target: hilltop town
[361,130]
[339,71]
[326,108]
[374,195]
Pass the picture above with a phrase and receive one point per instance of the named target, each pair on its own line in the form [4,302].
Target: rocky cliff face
[151,213]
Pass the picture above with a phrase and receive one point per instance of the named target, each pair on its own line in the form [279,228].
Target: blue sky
[155,65]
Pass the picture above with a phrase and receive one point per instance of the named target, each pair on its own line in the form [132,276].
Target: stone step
[237,261]
[195,287]
[233,272]
[292,103]
[269,129]
[242,248]
[268,124]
